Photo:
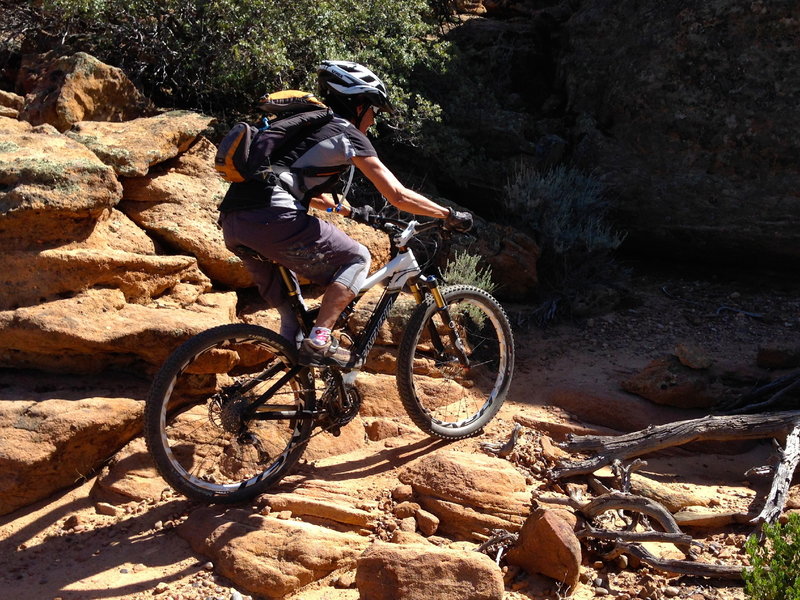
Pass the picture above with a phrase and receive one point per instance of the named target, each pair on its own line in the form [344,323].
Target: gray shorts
[310,247]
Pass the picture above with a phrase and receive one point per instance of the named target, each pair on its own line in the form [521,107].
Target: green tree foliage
[775,560]
[220,55]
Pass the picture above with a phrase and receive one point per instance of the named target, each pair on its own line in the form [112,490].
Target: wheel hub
[226,413]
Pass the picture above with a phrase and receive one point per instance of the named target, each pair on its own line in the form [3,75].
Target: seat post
[304,317]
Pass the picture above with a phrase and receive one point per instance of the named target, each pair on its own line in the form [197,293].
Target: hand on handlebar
[458,220]
[362,214]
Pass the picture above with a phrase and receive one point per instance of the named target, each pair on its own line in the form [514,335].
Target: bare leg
[335,300]
[321,349]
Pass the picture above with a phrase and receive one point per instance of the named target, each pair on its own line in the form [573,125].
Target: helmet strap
[360,113]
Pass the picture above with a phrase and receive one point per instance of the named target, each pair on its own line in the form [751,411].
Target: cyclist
[271,218]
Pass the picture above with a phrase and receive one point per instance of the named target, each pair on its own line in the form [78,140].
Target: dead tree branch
[764,397]
[622,447]
[784,472]
[640,504]
[677,567]
[679,539]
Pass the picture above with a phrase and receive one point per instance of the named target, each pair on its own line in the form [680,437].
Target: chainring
[340,402]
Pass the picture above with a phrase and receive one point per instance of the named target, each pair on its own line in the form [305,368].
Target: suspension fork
[432,286]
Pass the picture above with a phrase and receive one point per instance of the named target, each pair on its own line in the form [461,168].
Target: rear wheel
[453,380]
[229,413]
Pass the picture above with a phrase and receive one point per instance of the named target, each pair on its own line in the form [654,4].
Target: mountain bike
[230,412]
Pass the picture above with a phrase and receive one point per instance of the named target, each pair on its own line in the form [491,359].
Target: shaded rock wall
[686,111]
[689,112]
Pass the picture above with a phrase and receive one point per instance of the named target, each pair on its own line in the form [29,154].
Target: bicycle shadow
[87,554]
[339,468]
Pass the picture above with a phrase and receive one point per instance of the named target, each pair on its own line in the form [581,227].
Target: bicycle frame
[401,271]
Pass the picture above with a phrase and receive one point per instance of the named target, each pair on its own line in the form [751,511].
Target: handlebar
[402,232]
[394,225]
[434,250]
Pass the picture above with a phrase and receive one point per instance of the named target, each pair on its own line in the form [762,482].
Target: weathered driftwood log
[730,427]
[640,504]
[637,504]
[784,472]
[627,542]
[638,537]
[622,447]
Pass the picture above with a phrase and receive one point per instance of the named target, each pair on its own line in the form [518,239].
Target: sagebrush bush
[567,211]
[565,207]
[465,268]
[775,561]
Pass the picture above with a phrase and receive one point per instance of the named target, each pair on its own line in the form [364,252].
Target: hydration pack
[249,152]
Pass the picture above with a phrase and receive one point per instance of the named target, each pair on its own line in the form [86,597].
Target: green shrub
[464,268]
[220,55]
[566,210]
[775,560]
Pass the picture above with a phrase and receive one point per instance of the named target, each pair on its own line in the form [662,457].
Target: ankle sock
[320,336]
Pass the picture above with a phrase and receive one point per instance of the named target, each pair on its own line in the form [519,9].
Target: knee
[363,257]
[353,274]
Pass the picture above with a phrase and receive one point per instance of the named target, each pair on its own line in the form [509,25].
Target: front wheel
[229,413]
[453,377]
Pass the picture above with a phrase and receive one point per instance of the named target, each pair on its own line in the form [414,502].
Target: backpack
[248,152]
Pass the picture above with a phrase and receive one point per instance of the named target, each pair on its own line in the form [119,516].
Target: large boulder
[10,104]
[113,230]
[509,253]
[9,124]
[423,571]
[268,556]
[64,90]
[98,330]
[512,256]
[616,411]
[177,204]
[377,242]
[309,503]
[379,394]
[57,430]
[471,494]
[52,189]
[548,545]
[130,475]
[666,380]
[132,147]
[689,115]
[60,272]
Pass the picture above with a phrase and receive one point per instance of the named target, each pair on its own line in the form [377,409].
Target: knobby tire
[196,422]
[440,394]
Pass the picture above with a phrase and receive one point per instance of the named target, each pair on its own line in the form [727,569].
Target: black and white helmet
[352,82]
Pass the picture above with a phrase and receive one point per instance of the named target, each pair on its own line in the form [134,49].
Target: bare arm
[322,202]
[395,192]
